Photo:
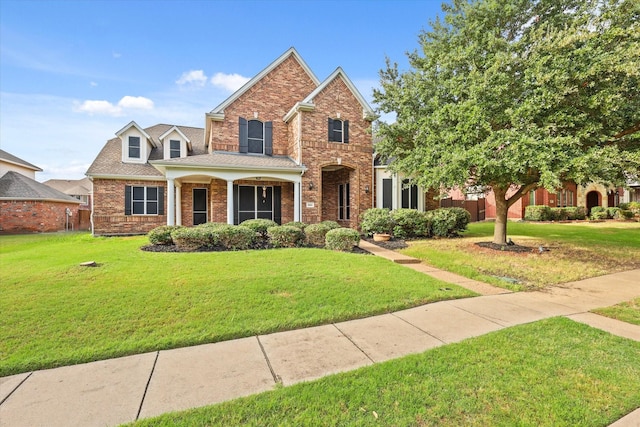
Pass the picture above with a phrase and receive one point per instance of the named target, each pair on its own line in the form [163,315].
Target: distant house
[81,190]
[285,146]
[29,206]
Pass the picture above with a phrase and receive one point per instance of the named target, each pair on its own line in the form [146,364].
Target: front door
[257,201]
[199,206]
[593,199]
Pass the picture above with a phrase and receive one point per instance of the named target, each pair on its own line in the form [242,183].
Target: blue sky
[72,73]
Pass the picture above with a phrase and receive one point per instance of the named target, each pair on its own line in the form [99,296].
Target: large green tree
[511,95]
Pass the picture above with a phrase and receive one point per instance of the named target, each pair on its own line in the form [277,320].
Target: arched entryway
[339,194]
[593,199]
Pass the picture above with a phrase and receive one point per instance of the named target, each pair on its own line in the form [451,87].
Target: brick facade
[20,216]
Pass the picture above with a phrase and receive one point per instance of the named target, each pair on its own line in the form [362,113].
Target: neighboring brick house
[81,190]
[285,146]
[29,206]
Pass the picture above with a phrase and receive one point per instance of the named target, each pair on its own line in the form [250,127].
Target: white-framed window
[344,208]
[134,147]
[174,149]
[142,200]
[338,130]
[255,137]
[409,195]
[565,198]
[532,197]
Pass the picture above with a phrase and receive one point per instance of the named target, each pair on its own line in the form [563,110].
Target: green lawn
[56,313]
[627,311]
[555,372]
[574,252]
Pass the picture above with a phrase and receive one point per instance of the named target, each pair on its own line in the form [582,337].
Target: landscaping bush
[190,238]
[212,231]
[635,208]
[559,214]
[285,236]
[624,206]
[463,218]
[342,239]
[331,224]
[612,212]
[162,235]
[236,237]
[259,225]
[315,233]
[625,214]
[577,212]
[443,222]
[537,213]
[297,224]
[598,212]
[377,221]
[410,223]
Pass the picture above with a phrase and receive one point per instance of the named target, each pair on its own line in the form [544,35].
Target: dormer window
[174,149]
[134,147]
[338,130]
[256,137]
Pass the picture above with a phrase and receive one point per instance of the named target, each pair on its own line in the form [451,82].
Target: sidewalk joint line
[419,328]
[353,342]
[16,387]
[276,377]
[146,388]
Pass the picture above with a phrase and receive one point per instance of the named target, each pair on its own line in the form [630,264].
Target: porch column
[178,203]
[230,202]
[171,202]
[296,202]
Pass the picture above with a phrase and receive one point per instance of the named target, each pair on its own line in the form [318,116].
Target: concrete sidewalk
[115,391]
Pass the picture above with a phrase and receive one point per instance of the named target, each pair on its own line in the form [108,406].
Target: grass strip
[554,372]
[628,311]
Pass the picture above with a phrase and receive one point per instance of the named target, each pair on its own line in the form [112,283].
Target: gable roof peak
[291,52]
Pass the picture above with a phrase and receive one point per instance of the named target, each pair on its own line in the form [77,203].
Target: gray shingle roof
[222,159]
[109,160]
[74,187]
[15,186]
[17,160]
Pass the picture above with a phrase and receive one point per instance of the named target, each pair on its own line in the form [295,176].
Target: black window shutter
[330,129]
[414,197]
[345,136]
[268,138]
[277,204]
[127,200]
[244,135]
[236,197]
[161,200]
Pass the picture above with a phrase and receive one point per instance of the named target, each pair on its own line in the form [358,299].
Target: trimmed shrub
[559,214]
[162,235]
[598,212]
[443,222]
[624,206]
[342,239]
[331,224]
[625,214]
[285,236]
[537,213]
[212,231]
[410,223]
[297,224]
[576,212]
[190,238]
[315,234]
[377,220]
[259,225]
[463,218]
[612,212]
[635,208]
[236,237]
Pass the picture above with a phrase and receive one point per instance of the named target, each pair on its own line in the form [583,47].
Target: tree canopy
[511,95]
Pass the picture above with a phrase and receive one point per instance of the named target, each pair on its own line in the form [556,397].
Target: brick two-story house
[285,146]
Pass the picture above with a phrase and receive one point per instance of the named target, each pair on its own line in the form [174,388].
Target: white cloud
[116,55]
[230,82]
[93,84]
[137,102]
[193,77]
[107,108]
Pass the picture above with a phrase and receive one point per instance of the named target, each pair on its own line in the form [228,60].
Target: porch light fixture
[366,189]
[264,193]
[310,185]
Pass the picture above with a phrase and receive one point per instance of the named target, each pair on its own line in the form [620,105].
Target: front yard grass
[628,311]
[55,312]
[573,252]
[554,372]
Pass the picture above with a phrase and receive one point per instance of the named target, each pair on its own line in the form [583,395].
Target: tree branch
[518,194]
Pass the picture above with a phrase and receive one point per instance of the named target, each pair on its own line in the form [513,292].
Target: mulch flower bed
[510,248]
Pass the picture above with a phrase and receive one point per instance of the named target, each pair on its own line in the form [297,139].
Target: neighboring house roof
[10,158]
[109,163]
[72,187]
[219,110]
[14,186]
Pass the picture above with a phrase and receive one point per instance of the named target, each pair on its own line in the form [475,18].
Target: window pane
[152,208]
[152,193]
[246,198]
[138,208]
[134,147]
[255,146]
[255,129]
[138,193]
[174,145]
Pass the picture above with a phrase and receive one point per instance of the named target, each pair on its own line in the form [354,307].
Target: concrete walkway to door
[115,391]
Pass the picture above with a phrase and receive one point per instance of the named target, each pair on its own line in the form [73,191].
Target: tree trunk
[500,226]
